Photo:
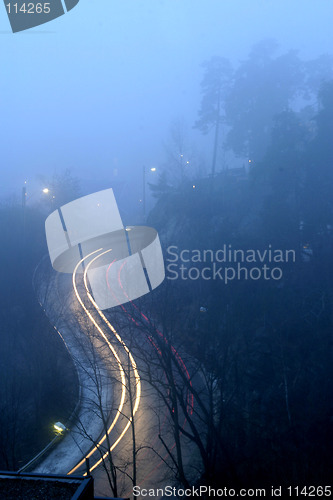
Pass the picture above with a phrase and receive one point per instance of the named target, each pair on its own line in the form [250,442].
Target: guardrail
[41,453]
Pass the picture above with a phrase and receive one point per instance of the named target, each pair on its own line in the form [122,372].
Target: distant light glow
[59,427]
[122,373]
[46,190]
[193,186]
[153,169]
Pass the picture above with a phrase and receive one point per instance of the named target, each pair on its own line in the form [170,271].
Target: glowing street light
[59,427]
[26,196]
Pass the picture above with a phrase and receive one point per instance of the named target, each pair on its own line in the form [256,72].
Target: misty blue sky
[99,87]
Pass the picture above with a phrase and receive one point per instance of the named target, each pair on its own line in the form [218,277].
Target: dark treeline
[264,344]
[259,349]
[35,368]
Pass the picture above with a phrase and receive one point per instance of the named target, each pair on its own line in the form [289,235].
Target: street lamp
[59,427]
[25,198]
[152,169]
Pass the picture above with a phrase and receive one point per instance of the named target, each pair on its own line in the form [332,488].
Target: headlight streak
[133,363]
[121,370]
[190,397]
[135,322]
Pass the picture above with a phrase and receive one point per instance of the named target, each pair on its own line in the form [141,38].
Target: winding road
[115,400]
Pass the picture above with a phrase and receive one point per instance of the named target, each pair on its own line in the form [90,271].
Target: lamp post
[25,198]
[24,205]
[182,167]
[152,169]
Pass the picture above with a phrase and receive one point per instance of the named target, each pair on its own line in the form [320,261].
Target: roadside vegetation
[38,381]
[254,404]
[262,347]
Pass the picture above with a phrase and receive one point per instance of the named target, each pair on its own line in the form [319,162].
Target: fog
[196,351]
[96,90]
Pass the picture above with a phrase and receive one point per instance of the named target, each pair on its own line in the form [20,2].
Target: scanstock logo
[119,263]
[24,15]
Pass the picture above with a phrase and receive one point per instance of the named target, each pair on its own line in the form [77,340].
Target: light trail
[133,363]
[190,398]
[122,373]
[121,369]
